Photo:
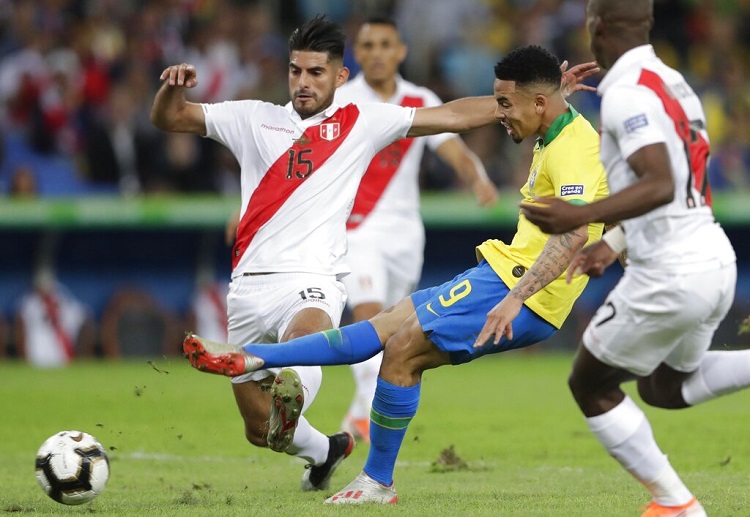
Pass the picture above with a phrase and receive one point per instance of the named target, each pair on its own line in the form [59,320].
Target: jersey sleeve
[631,115]
[228,122]
[386,122]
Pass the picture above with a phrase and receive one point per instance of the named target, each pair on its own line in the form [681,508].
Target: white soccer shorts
[261,307]
[385,268]
[653,317]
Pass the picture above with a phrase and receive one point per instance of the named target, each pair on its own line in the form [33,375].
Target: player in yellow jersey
[515,297]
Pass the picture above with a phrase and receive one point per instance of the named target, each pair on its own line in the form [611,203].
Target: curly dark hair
[529,65]
[319,35]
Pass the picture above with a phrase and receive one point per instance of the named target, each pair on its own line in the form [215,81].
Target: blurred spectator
[77,77]
[115,148]
[51,326]
[5,350]
[207,316]
[23,183]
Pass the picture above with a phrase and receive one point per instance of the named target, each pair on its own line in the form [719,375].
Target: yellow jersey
[566,164]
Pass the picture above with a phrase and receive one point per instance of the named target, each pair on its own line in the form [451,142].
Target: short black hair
[528,65]
[319,35]
[381,20]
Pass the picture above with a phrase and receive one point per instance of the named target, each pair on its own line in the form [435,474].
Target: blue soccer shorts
[453,314]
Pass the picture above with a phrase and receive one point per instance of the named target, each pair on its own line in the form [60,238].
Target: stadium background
[90,190]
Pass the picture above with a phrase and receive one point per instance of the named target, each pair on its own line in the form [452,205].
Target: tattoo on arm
[551,262]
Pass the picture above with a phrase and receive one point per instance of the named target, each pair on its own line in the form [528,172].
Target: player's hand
[180,75]
[553,215]
[592,260]
[572,80]
[499,321]
[485,192]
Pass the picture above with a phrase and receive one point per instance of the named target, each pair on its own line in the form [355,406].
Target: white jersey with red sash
[209,305]
[645,102]
[299,178]
[52,319]
[389,193]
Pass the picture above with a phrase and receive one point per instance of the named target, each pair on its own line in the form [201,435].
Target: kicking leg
[365,374]
[407,354]
[347,345]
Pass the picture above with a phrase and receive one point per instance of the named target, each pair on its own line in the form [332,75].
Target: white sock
[312,378]
[365,380]
[719,373]
[309,443]
[626,434]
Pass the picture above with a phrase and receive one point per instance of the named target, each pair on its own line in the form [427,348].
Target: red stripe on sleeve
[316,145]
[696,147]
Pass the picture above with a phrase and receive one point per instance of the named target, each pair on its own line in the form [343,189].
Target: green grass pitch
[176,444]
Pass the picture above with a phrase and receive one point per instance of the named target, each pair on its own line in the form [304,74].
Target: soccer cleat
[287,399]
[318,477]
[691,509]
[219,358]
[359,427]
[362,490]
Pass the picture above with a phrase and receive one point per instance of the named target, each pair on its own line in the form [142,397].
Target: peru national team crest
[330,131]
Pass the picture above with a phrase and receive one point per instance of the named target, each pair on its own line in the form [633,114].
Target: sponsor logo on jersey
[277,128]
[571,190]
[330,131]
[635,122]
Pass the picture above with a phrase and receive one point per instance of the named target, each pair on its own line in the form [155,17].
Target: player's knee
[665,397]
[591,399]
[400,363]
[395,354]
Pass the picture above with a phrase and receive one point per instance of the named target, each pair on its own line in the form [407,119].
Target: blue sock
[346,345]
[393,407]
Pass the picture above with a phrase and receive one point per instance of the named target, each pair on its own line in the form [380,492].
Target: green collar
[557,126]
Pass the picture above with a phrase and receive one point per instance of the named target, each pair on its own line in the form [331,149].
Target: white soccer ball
[72,467]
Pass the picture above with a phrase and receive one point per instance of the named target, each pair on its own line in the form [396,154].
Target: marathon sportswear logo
[330,131]
[636,122]
[571,190]
[276,128]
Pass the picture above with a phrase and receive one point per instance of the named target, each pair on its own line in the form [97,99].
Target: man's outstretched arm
[469,113]
[171,111]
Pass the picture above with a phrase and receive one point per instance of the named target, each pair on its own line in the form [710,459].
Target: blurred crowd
[77,78]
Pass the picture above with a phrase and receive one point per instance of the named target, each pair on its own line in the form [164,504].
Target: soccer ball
[72,467]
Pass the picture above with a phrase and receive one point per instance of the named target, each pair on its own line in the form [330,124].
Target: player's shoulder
[410,89]
[244,105]
[353,90]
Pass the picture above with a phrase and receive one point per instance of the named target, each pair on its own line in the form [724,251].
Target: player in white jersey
[300,169]
[52,327]
[657,324]
[385,270]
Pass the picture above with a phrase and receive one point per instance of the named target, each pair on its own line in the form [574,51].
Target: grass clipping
[449,461]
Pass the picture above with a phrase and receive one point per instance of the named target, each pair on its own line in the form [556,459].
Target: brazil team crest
[330,131]
[532,178]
